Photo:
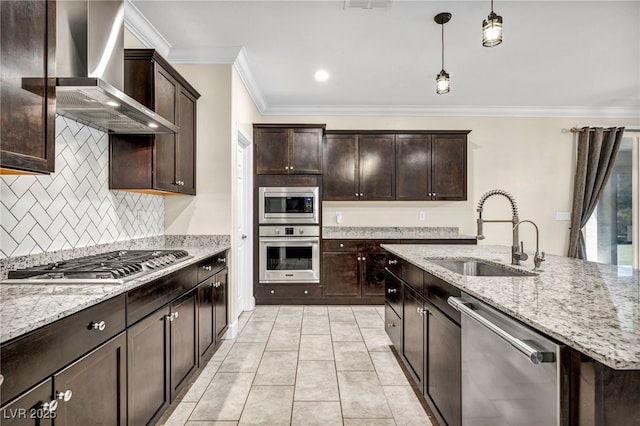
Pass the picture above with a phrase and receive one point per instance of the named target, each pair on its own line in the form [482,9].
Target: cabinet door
[393,326]
[413,167]
[206,334]
[271,151]
[413,334]
[27,84]
[30,409]
[186,143]
[98,387]
[443,378]
[166,94]
[340,168]
[305,151]
[374,274]
[340,274]
[376,163]
[449,167]
[220,300]
[148,361]
[184,354]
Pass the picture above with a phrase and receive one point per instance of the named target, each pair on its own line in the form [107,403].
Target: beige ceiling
[573,58]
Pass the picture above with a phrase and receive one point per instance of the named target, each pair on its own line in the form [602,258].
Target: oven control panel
[289,231]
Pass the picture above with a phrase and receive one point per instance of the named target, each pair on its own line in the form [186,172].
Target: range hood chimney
[90,61]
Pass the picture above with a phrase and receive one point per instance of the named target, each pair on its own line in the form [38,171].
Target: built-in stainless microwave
[288,205]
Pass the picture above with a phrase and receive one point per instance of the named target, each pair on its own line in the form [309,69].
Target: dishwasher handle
[534,355]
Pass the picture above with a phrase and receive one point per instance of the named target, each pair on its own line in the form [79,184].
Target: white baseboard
[232,331]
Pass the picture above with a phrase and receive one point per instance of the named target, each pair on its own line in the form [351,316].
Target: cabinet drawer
[340,245]
[393,293]
[393,325]
[288,291]
[31,358]
[438,291]
[407,272]
[211,265]
[150,297]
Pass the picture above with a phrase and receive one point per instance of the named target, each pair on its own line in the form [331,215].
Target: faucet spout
[538,259]
[515,260]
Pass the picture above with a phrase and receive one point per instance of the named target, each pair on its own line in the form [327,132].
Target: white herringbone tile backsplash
[73,207]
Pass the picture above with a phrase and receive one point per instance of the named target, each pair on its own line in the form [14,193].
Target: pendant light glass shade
[443,84]
[492,29]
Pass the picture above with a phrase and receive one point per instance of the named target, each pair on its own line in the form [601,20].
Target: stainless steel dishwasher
[510,373]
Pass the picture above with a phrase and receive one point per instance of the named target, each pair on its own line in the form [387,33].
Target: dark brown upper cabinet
[359,166]
[431,166]
[288,149]
[162,163]
[28,87]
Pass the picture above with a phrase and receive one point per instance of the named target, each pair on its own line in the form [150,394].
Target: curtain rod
[576,129]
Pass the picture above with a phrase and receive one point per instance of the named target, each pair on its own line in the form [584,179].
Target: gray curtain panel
[597,151]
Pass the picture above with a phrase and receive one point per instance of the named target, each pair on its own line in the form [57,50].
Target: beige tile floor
[303,365]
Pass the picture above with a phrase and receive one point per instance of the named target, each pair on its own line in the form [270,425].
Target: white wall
[532,158]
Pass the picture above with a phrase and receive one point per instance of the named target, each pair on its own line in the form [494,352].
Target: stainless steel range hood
[90,63]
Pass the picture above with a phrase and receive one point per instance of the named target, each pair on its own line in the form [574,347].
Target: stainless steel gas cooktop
[116,267]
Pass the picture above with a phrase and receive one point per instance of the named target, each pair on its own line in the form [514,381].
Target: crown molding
[143,30]
[454,111]
[209,55]
[242,67]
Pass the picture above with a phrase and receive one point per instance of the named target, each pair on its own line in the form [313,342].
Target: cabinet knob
[65,395]
[341,245]
[100,326]
[171,316]
[392,290]
[306,292]
[286,167]
[207,267]
[364,258]
[390,325]
[361,194]
[392,262]
[50,406]
[273,292]
[222,260]
[176,315]
[356,194]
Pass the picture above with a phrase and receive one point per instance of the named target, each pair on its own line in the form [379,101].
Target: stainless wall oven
[289,254]
[288,205]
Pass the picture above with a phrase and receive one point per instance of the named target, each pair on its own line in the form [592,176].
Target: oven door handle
[289,240]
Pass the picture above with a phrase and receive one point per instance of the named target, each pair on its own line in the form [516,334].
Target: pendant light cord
[442,38]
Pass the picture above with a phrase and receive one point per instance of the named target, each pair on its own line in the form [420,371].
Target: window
[612,234]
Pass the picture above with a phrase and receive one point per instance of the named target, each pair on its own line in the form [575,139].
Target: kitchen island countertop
[26,307]
[393,233]
[591,307]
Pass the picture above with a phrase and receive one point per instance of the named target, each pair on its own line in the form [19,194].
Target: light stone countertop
[392,232]
[591,307]
[25,307]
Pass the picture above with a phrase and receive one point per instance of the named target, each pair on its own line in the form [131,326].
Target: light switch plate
[422,215]
[338,217]
[563,216]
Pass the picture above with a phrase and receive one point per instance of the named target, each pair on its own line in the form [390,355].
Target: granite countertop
[389,232]
[591,307]
[25,307]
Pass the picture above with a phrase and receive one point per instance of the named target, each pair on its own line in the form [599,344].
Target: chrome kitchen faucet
[537,258]
[516,254]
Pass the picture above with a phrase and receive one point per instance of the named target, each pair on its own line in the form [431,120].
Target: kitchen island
[591,308]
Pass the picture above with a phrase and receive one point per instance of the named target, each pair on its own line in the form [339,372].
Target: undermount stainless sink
[479,268]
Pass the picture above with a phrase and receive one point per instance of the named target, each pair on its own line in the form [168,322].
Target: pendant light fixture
[443,84]
[492,29]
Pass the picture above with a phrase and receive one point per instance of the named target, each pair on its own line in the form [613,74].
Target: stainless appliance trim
[284,191]
[274,236]
[535,356]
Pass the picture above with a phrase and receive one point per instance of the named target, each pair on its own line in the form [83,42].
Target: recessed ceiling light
[321,75]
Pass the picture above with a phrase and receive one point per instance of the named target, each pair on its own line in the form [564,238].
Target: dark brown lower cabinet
[93,388]
[443,373]
[393,324]
[373,274]
[413,349]
[220,299]
[32,408]
[206,327]
[148,361]
[340,274]
[183,341]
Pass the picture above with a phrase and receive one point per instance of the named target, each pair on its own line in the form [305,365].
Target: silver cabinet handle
[361,194]
[306,292]
[286,167]
[290,167]
[100,326]
[392,290]
[390,325]
[172,316]
[1,379]
[341,245]
[356,194]
[207,267]
[222,260]
[422,311]
[392,262]
[364,258]
[50,406]
[273,292]
[65,395]
[177,314]
[358,258]
[534,355]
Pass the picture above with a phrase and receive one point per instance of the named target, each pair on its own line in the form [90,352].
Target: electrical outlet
[563,216]
[422,215]
[338,217]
